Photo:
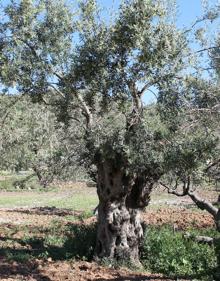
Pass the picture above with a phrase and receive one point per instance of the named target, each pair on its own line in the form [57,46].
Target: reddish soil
[173,211]
[70,271]
[49,270]
[180,218]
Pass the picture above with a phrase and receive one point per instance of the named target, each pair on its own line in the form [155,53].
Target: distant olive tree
[31,139]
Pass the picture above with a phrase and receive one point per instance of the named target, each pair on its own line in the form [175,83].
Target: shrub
[168,252]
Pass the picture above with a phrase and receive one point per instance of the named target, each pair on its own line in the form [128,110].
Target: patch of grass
[71,218]
[168,252]
[86,215]
[20,200]
[75,202]
[54,240]
[7,183]
[57,241]
[21,256]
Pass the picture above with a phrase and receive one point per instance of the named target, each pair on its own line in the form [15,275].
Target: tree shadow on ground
[78,241]
[51,211]
[27,270]
[18,255]
[135,278]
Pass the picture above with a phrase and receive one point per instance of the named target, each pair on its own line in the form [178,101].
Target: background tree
[31,139]
[195,141]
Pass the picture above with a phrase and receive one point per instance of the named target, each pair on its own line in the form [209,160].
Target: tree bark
[121,199]
[217,220]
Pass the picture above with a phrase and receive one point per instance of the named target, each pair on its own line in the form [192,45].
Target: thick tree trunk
[119,232]
[119,223]
[217,220]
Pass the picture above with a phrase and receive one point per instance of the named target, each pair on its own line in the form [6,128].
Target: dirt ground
[77,271]
[179,214]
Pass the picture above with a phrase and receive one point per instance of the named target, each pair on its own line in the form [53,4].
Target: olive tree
[195,145]
[192,155]
[96,73]
[32,139]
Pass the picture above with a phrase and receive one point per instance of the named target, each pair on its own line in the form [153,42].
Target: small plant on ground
[168,252]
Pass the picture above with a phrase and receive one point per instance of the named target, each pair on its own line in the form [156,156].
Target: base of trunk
[119,232]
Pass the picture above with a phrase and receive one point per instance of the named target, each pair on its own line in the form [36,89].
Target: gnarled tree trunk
[121,199]
[217,220]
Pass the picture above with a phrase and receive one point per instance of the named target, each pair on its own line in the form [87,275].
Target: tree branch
[200,202]
[200,239]
[141,92]
[207,49]
[86,109]
[212,165]
[173,190]
[203,204]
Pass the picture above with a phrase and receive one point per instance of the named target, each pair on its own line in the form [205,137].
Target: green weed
[168,252]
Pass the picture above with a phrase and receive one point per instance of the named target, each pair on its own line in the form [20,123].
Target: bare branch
[153,93]
[146,87]
[196,22]
[200,202]
[200,239]
[203,204]
[212,165]
[173,190]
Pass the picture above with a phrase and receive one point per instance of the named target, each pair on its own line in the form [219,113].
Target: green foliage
[22,257]
[216,56]
[32,139]
[19,182]
[170,253]
[85,67]
[104,68]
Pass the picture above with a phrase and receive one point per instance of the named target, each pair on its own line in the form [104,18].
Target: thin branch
[146,87]
[195,23]
[212,165]
[207,49]
[57,90]
[153,93]
[86,109]
[173,190]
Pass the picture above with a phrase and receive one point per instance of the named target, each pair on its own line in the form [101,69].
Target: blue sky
[188,9]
